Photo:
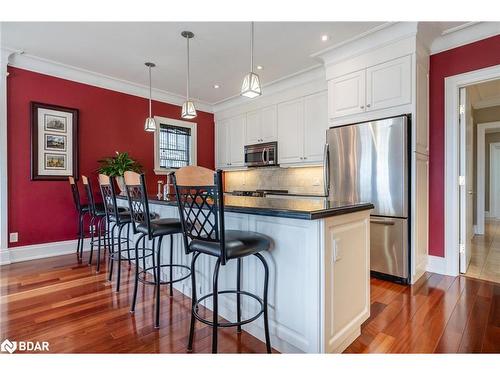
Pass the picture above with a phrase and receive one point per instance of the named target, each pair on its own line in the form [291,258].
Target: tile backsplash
[303,180]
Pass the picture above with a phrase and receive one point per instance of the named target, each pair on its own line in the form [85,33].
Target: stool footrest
[229,324]
[143,280]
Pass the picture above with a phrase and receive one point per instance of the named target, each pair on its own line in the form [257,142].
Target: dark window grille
[175,144]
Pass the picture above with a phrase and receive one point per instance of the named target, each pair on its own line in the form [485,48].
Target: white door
[253,127]
[315,125]
[388,84]
[466,186]
[269,125]
[346,94]
[236,141]
[221,144]
[291,131]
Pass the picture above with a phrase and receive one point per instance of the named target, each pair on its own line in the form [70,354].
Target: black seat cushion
[123,215]
[238,244]
[161,227]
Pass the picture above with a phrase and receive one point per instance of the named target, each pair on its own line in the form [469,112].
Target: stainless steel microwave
[261,155]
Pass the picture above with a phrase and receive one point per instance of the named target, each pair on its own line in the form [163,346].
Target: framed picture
[54,142]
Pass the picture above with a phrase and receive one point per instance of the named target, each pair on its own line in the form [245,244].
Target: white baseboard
[436,264]
[38,251]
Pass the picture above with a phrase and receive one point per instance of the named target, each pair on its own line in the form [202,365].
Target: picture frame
[54,142]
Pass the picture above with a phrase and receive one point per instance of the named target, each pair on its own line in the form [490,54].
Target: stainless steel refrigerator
[369,162]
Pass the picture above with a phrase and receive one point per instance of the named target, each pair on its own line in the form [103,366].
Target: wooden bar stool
[200,200]
[144,225]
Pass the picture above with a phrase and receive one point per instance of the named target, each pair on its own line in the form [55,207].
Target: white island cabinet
[319,291]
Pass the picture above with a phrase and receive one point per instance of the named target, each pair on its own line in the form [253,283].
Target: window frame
[192,147]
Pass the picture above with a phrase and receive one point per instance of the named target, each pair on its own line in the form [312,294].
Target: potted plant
[117,165]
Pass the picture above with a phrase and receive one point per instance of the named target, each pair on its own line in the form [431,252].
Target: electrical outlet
[14,237]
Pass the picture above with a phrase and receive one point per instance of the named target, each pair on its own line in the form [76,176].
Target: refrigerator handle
[326,170]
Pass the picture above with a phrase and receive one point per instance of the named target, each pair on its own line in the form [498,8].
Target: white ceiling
[219,51]
[486,94]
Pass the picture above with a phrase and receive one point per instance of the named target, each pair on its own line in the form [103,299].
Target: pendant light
[188,109]
[150,124]
[251,83]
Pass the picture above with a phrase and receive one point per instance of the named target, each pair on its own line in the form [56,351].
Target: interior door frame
[450,266]
[494,180]
[481,172]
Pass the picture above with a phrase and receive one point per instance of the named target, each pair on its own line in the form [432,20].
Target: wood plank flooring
[77,311]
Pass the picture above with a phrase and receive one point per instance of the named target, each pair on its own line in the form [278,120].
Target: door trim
[494,204]
[452,157]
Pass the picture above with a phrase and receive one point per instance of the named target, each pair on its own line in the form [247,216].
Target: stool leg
[120,227]
[112,252]
[79,235]
[158,269]
[238,297]
[171,262]
[215,308]
[153,261]
[266,284]
[92,219]
[82,236]
[128,244]
[99,230]
[136,281]
[193,302]
[144,253]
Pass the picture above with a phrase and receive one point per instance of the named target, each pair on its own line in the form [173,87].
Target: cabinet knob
[361,106]
[368,105]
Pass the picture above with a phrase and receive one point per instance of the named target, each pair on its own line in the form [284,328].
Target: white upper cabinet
[347,94]
[315,126]
[374,88]
[261,126]
[291,131]
[302,125]
[230,142]
[388,84]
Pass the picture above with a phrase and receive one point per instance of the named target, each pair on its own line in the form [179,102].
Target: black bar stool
[97,217]
[144,225]
[117,217]
[82,210]
[200,199]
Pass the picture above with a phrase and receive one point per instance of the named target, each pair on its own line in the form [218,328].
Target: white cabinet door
[269,125]
[236,141]
[315,125]
[347,94]
[253,127]
[388,84]
[221,144]
[291,131]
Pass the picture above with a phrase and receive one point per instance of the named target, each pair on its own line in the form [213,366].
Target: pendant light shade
[251,86]
[188,110]
[150,124]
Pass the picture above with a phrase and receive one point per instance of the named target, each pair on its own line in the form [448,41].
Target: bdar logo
[8,346]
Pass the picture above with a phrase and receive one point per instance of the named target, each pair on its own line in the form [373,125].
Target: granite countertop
[307,209]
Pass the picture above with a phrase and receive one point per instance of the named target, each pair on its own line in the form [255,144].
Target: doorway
[479,187]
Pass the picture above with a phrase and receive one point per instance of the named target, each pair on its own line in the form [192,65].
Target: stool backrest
[200,201]
[75,193]
[90,194]
[106,183]
[137,200]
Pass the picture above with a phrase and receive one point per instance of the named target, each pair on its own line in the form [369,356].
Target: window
[175,144]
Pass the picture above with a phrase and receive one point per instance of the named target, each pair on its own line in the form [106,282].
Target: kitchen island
[319,291]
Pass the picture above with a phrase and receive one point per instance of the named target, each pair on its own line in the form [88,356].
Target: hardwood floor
[439,314]
[77,311]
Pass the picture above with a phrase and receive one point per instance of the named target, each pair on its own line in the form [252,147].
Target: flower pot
[121,183]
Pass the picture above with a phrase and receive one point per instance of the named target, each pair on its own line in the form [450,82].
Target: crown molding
[375,38]
[314,73]
[464,34]
[72,73]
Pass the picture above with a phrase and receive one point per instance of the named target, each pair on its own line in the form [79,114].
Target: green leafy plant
[117,165]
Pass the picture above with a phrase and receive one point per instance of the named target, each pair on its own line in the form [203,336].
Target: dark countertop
[307,209]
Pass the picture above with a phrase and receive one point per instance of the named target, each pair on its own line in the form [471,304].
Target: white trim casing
[451,164]
[480,185]
[39,251]
[437,265]
[184,124]
[494,204]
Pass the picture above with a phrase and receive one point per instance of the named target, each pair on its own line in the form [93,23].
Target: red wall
[43,211]
[478,55]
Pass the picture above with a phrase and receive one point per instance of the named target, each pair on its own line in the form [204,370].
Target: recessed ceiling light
[216,86]
[324,37]
[260,67]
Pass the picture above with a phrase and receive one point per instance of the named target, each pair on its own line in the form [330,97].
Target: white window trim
[170,121]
